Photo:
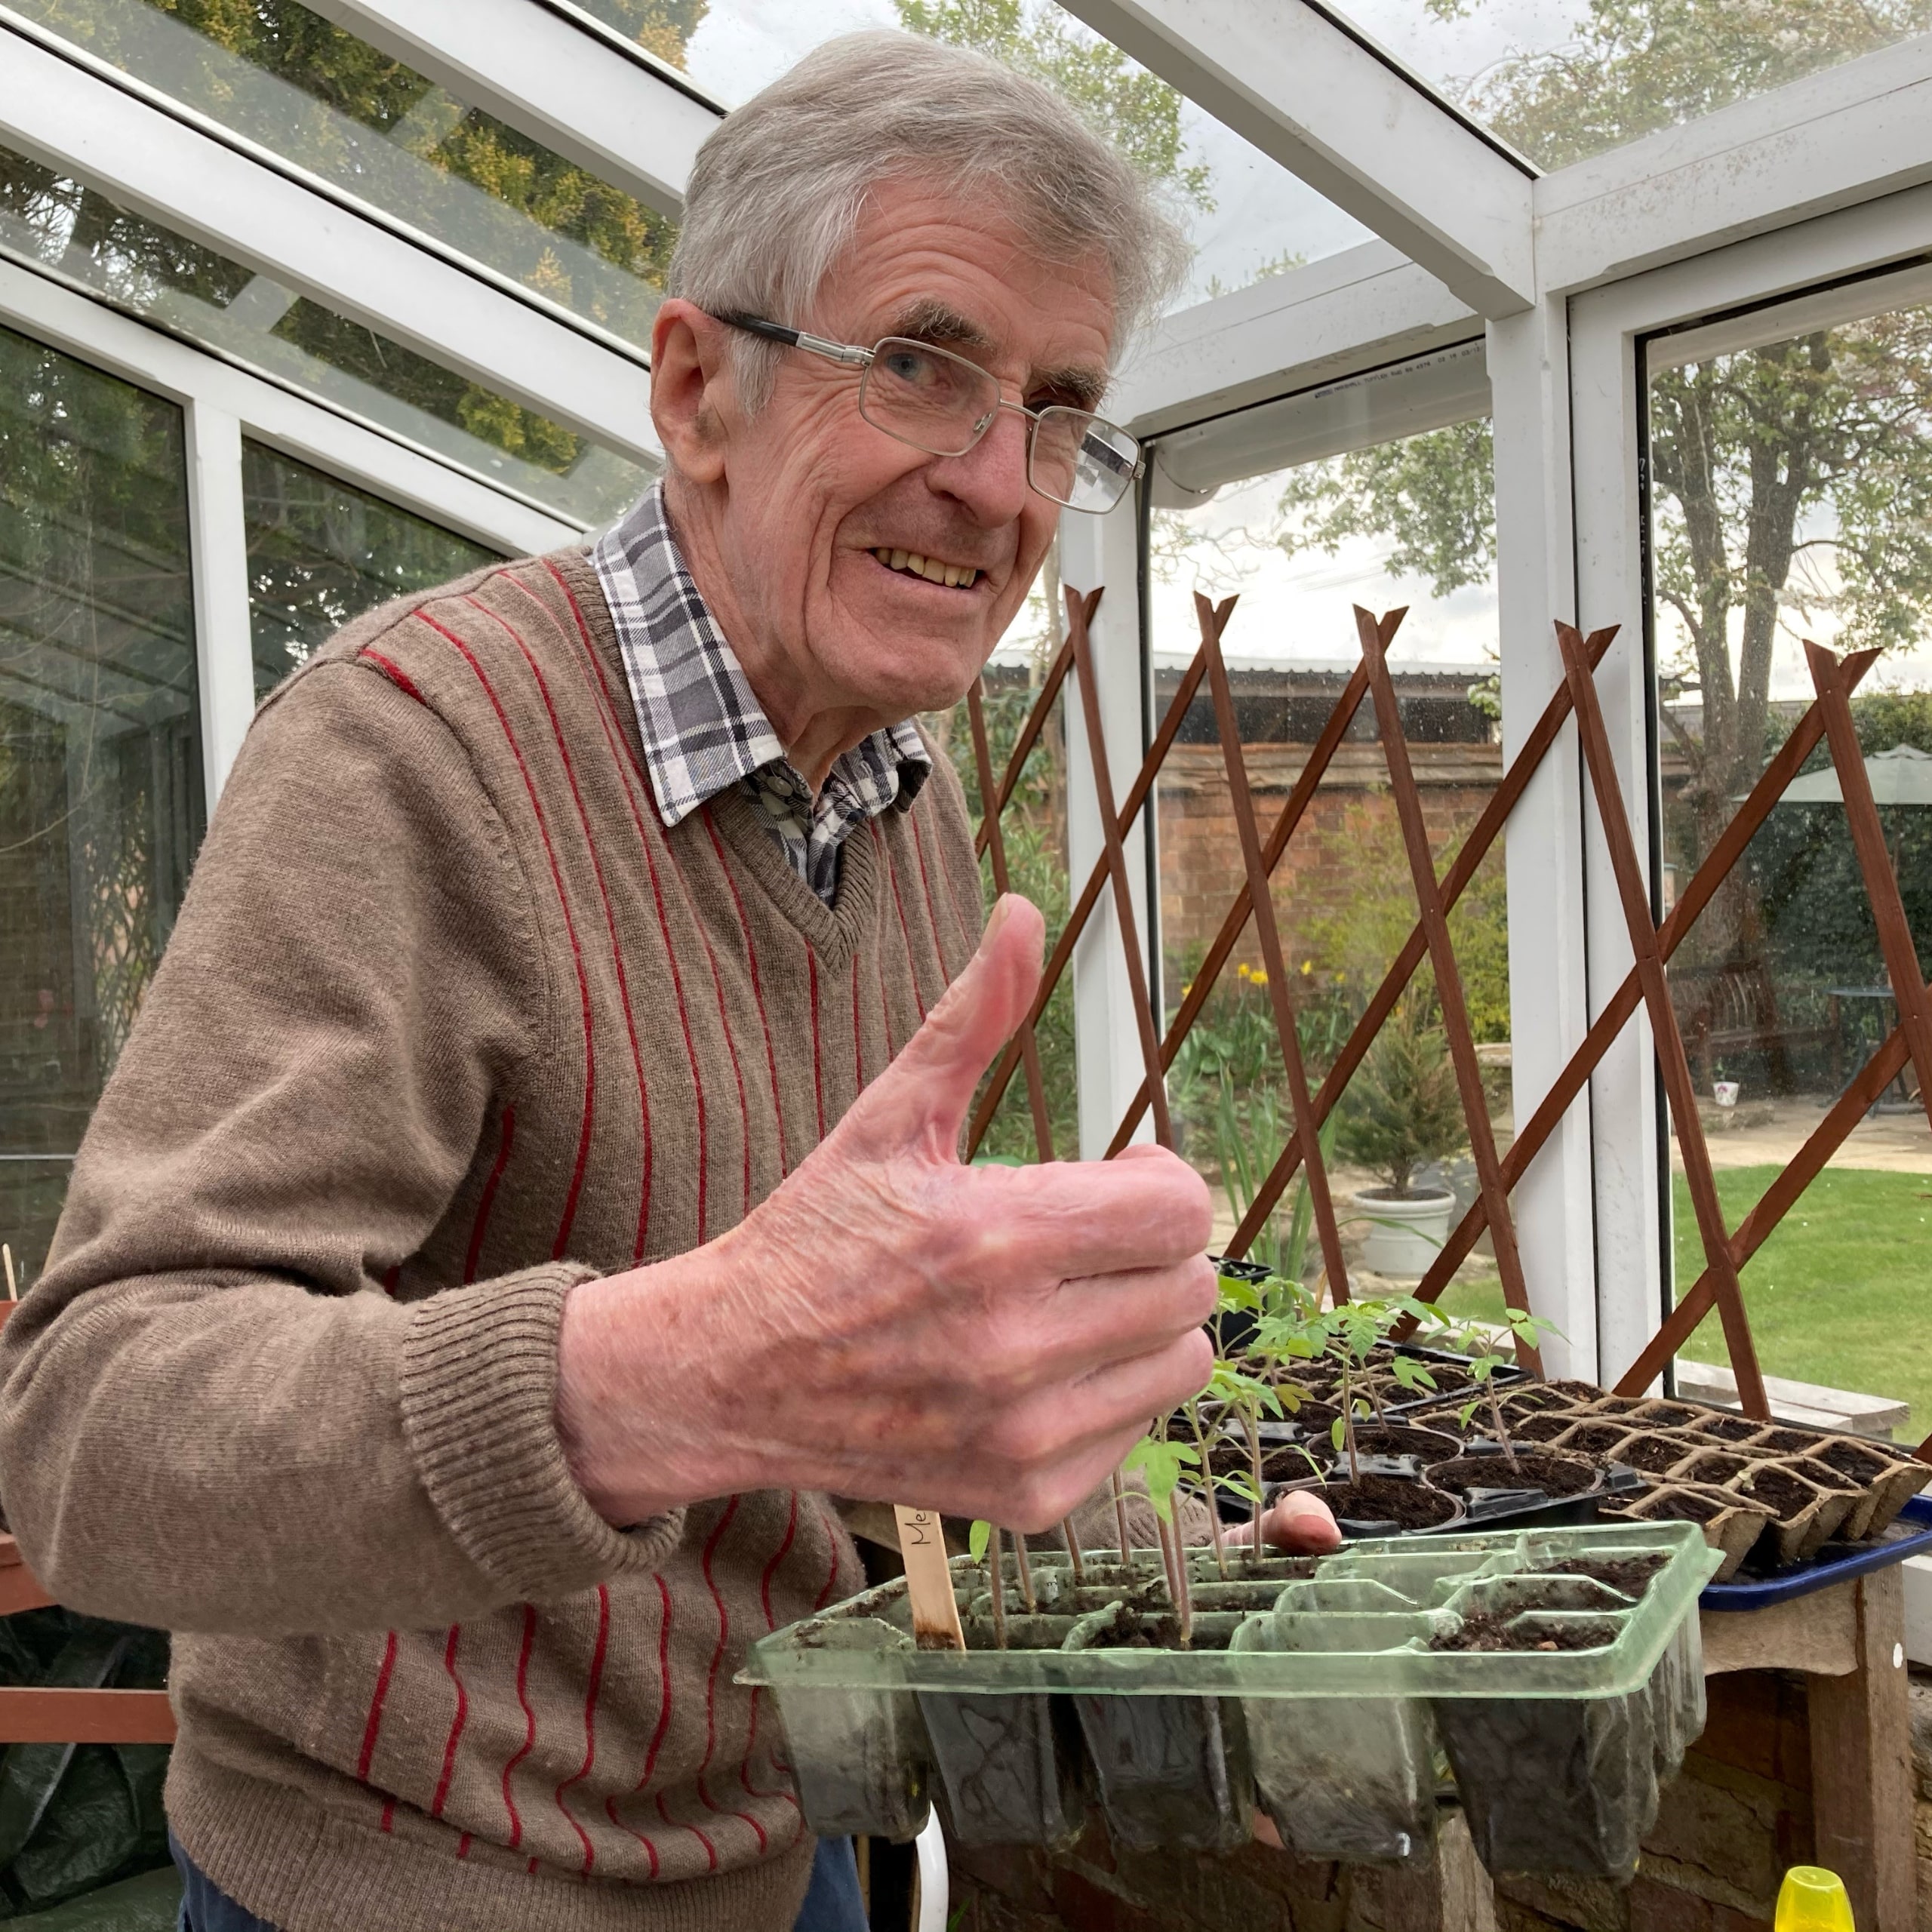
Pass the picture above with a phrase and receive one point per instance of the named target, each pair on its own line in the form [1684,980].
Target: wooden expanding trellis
[1827,720]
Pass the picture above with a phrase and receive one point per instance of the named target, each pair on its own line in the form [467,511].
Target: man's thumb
[923,1095]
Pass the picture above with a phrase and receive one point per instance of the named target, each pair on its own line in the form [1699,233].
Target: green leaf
[1338,1433]
[1160,1465]
[977,1538]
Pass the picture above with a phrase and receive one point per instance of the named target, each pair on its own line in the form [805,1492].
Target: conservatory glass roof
[1562,79]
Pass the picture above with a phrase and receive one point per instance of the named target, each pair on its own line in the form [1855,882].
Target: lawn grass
[1841,1293]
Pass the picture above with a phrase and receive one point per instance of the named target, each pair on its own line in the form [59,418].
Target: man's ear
[693,393]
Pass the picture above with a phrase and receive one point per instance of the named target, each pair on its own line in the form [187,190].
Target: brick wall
[1200,862]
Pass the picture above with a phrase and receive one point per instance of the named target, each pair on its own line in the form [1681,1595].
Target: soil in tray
[1850,1459]
[1383,1505]
[1729,1428]
[1427,1445]
[1553,1474]
[1654,1453]
[1487,1630]
[1786,1495]
[1631,1575]
[1597,1438]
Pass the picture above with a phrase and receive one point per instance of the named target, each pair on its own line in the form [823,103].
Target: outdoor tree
[1794,477]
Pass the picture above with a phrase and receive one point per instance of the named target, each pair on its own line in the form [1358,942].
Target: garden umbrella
[1901,776]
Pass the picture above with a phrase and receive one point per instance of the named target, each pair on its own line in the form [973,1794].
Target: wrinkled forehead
[971,274]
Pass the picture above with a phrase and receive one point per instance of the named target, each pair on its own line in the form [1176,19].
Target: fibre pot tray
[1559,1667]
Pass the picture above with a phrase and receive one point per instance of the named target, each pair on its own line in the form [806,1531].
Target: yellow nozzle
[1812,1899]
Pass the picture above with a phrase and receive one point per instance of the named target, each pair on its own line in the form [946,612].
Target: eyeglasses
[941,403]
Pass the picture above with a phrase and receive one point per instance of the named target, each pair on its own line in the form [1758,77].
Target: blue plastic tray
[1909,1534]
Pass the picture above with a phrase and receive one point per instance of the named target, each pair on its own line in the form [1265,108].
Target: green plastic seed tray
[1558,1668]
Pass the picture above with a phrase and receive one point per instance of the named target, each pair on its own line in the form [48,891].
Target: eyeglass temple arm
[817,345]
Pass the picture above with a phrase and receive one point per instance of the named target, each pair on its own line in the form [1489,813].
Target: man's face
[813,494]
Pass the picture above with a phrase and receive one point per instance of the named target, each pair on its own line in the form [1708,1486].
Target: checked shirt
[702,729]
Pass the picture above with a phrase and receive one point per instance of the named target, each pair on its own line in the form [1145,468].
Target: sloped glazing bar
[291,83]
[55,223]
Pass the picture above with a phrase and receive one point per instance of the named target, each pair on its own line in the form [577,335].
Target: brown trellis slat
[1079,615]
[1828,720]
[1029,733]
[1214,619]
[1076,921]
[1881,884]
[1300,797]
[1468,861]
[1673,1063]
[1731,847]
[1448,977]
[993,842]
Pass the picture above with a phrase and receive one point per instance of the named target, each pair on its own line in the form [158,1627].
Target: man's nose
[990,479]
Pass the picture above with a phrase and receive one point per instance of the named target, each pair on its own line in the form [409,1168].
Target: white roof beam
[1851,134]
[610,108]
[1334,110]
[148,161]
[1313,325]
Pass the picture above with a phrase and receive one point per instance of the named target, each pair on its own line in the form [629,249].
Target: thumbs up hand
[890,1323]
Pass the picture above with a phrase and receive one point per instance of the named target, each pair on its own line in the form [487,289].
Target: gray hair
[776,191]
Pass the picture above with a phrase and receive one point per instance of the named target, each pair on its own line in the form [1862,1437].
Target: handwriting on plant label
[928,1580]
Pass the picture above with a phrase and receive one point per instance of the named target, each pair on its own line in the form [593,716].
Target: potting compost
[1550,1677]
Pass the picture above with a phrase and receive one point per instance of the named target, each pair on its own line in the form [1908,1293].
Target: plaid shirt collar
[704,731]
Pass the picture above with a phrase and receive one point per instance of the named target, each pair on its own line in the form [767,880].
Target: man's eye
[909,366]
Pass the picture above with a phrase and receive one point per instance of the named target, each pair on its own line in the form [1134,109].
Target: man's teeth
[959,576]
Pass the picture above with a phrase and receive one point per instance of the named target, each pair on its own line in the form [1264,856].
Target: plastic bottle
[1812,1899]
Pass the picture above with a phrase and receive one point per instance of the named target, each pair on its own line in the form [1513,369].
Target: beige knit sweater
[449,1023]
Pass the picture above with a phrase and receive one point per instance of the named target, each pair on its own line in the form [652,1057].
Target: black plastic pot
[1008,1767]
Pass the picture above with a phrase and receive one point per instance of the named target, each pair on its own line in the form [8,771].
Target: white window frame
[1831,268]
[220,405]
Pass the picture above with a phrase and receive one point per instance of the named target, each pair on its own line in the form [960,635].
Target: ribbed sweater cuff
[479,1393]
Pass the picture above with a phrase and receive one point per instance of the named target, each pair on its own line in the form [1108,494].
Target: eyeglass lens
[941,403]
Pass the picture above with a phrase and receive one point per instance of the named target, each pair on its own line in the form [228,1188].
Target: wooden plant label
[928,1581]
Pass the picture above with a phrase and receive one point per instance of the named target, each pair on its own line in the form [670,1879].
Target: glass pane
[1792,496]
[101,799]
[1560,79]
[1247,217]
[1409,522]
[58,224]
[321,552]
[306,90]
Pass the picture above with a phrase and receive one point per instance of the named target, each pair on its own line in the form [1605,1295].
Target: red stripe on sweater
[878,957]
[657,1736]
[765,1598]
[456,1725]
[395,674]
[724,1026]
[610,920]
[374,1726]
[570,926]
[818,1069]
[905,931]
[622,756]
[529,1743]
[758,994]
[506,1130]
[858,1050]
[462,1846]
[711,1681]
[710,1850]
[925,886]
[388,1814]
[589,1724]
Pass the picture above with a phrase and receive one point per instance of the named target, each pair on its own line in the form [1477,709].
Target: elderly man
[532,1189]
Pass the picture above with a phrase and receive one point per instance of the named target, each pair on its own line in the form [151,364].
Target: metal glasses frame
[855,357]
